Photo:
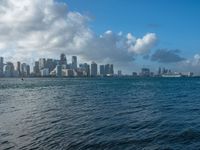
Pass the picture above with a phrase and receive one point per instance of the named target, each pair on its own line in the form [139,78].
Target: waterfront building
[28,70]
[1,66]
[9,69]
[102,70]
[42,62]
[109,70]
[25,70]
[74,62]
[145,72]
[44,72]
[58,70]
[119,73]
[159,71]
[134,74]
[50,64]
[68,72]
[63,59]
[93,69]
[85,68]
[19,68]
[190,74]
[36,69]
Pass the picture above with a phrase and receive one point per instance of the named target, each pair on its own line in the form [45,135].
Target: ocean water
[110,114]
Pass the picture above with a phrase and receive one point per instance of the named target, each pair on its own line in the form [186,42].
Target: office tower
[109,69]
[24,70]
[28,70]
[119,73]
[102,70]
[63,59]
[36,69]
[59,70]
[74,62]
[85,69]
[44,72]
[19,68]
[134,74]
[50,64]
[1,66]
[93,69]
[145,72]
[42,63]
[159,71]
[9,69]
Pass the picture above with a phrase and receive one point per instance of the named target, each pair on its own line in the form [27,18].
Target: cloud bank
[35,28]
[167,56]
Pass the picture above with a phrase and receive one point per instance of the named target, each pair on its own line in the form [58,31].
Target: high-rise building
[93,69]
[63,59]
[85,68]
[36,69]
[50,64]
[28,70]
[74,62]
[159,71]
[42,63]
[109,69]
[59,70]
[9,69]
[145,72]
[119,73]
[1,66]
[24,69]
[102,70]
[134,74]
[19,68]
[44,72]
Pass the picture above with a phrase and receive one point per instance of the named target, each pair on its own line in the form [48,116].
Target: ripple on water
[148,114]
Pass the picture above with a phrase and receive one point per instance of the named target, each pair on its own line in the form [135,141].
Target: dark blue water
[59,114]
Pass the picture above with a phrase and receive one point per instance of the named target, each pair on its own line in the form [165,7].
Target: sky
[128,33]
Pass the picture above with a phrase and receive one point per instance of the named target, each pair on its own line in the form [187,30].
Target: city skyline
[144,33]
[62,67]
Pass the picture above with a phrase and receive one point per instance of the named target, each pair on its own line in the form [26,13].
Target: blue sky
[176,22]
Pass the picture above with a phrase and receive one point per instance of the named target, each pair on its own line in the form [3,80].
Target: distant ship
[172,75]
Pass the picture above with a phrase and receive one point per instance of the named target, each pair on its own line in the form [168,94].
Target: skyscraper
[28,70]
[109,69]
[1,66]
[93,69]
[74,62]
[85,68]
[50,64]
[24,69]
[145,72]
[42,63]
[63,59]
[19,68]
[9,69]
[36,69]
[119,73]
[102,70]
[59,70]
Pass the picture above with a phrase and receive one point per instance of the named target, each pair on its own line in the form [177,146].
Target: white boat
[171,75]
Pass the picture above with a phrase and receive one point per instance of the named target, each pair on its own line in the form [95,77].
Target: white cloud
[45,28]
[141,45]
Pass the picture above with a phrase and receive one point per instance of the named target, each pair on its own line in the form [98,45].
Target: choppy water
[59,114]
